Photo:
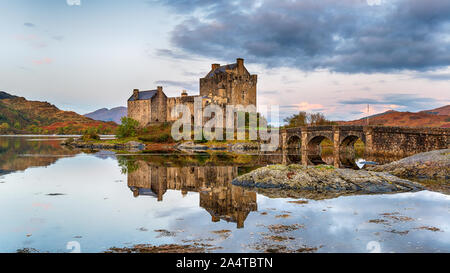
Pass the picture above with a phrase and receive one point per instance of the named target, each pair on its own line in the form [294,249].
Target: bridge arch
[314,148]
[347,151]
[294,147]
[294,142]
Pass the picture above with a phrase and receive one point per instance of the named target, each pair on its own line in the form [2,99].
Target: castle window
[244,93]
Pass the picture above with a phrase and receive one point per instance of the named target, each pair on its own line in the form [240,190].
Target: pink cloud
[32,40]
[42,205]
[306,106]
[29,37]
[43,61]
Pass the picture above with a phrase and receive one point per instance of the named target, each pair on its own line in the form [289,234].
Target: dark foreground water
[56,200]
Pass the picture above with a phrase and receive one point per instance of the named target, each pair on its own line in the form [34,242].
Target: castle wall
[159,107]
[140,110]
[171,102]
[238,89]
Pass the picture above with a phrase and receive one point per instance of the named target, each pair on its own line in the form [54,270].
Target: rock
[324,179]
[428,165]
[240,147]
[144,248]
[191,147]
[129,146]
[244,146]
[135,144]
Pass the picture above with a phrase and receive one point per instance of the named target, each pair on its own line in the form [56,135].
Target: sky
[327,56]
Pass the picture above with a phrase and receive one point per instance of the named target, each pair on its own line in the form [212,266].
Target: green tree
[297,120]
[90,134]
[4,126]
[305,119]
[128,128]
[126,165]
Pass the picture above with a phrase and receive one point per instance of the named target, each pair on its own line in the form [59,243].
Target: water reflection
[21,153]
[218,196]
[349,158]
[111,201]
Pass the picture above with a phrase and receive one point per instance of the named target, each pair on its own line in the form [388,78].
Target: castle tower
[231,81]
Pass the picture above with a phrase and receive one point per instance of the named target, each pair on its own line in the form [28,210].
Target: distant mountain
[105,114]
[4,95]
[20,116]
[439,117]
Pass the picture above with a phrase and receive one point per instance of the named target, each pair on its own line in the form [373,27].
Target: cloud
[434,76]
[268,92]
[189,85]
[73,2]
[28,24]
[191,5]
[306,106]
[406,101]
[373,2]
[32,40]
[289,109]
[58,37]
[349,36]
[173,54]
[43,61]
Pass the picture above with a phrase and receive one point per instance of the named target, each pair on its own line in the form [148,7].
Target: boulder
[428,165]
[324,179]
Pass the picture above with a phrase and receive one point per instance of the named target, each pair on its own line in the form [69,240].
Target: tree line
[307,119]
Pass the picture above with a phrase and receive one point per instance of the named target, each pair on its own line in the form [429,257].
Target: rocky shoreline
[186,147]
[191,147]
[324,180]
[131,145]
[428,165]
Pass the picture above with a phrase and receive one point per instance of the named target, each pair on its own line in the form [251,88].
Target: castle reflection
[218,196]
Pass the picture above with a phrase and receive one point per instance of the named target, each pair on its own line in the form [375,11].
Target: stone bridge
[378,140]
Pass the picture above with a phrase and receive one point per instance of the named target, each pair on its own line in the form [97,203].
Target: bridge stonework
[378,140]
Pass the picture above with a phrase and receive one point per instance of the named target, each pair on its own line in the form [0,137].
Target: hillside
[4,95]
[444,111]
[439,117]
[105,114]
[20,116]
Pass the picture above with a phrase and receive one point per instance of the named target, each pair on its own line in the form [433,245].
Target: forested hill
[21,116]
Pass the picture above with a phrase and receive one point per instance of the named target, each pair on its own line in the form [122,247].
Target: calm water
[51,196]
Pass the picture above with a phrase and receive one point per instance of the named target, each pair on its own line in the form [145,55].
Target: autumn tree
[307,119]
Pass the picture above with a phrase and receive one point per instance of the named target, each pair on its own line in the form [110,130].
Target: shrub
[90,134]
[69,141]
[162,138]
[4,126]
[128,128]
[203,140]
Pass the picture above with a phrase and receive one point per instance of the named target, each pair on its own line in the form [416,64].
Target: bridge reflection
[325,155]
[221,199]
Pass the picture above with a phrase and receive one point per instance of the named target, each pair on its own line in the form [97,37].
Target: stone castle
[224,85]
